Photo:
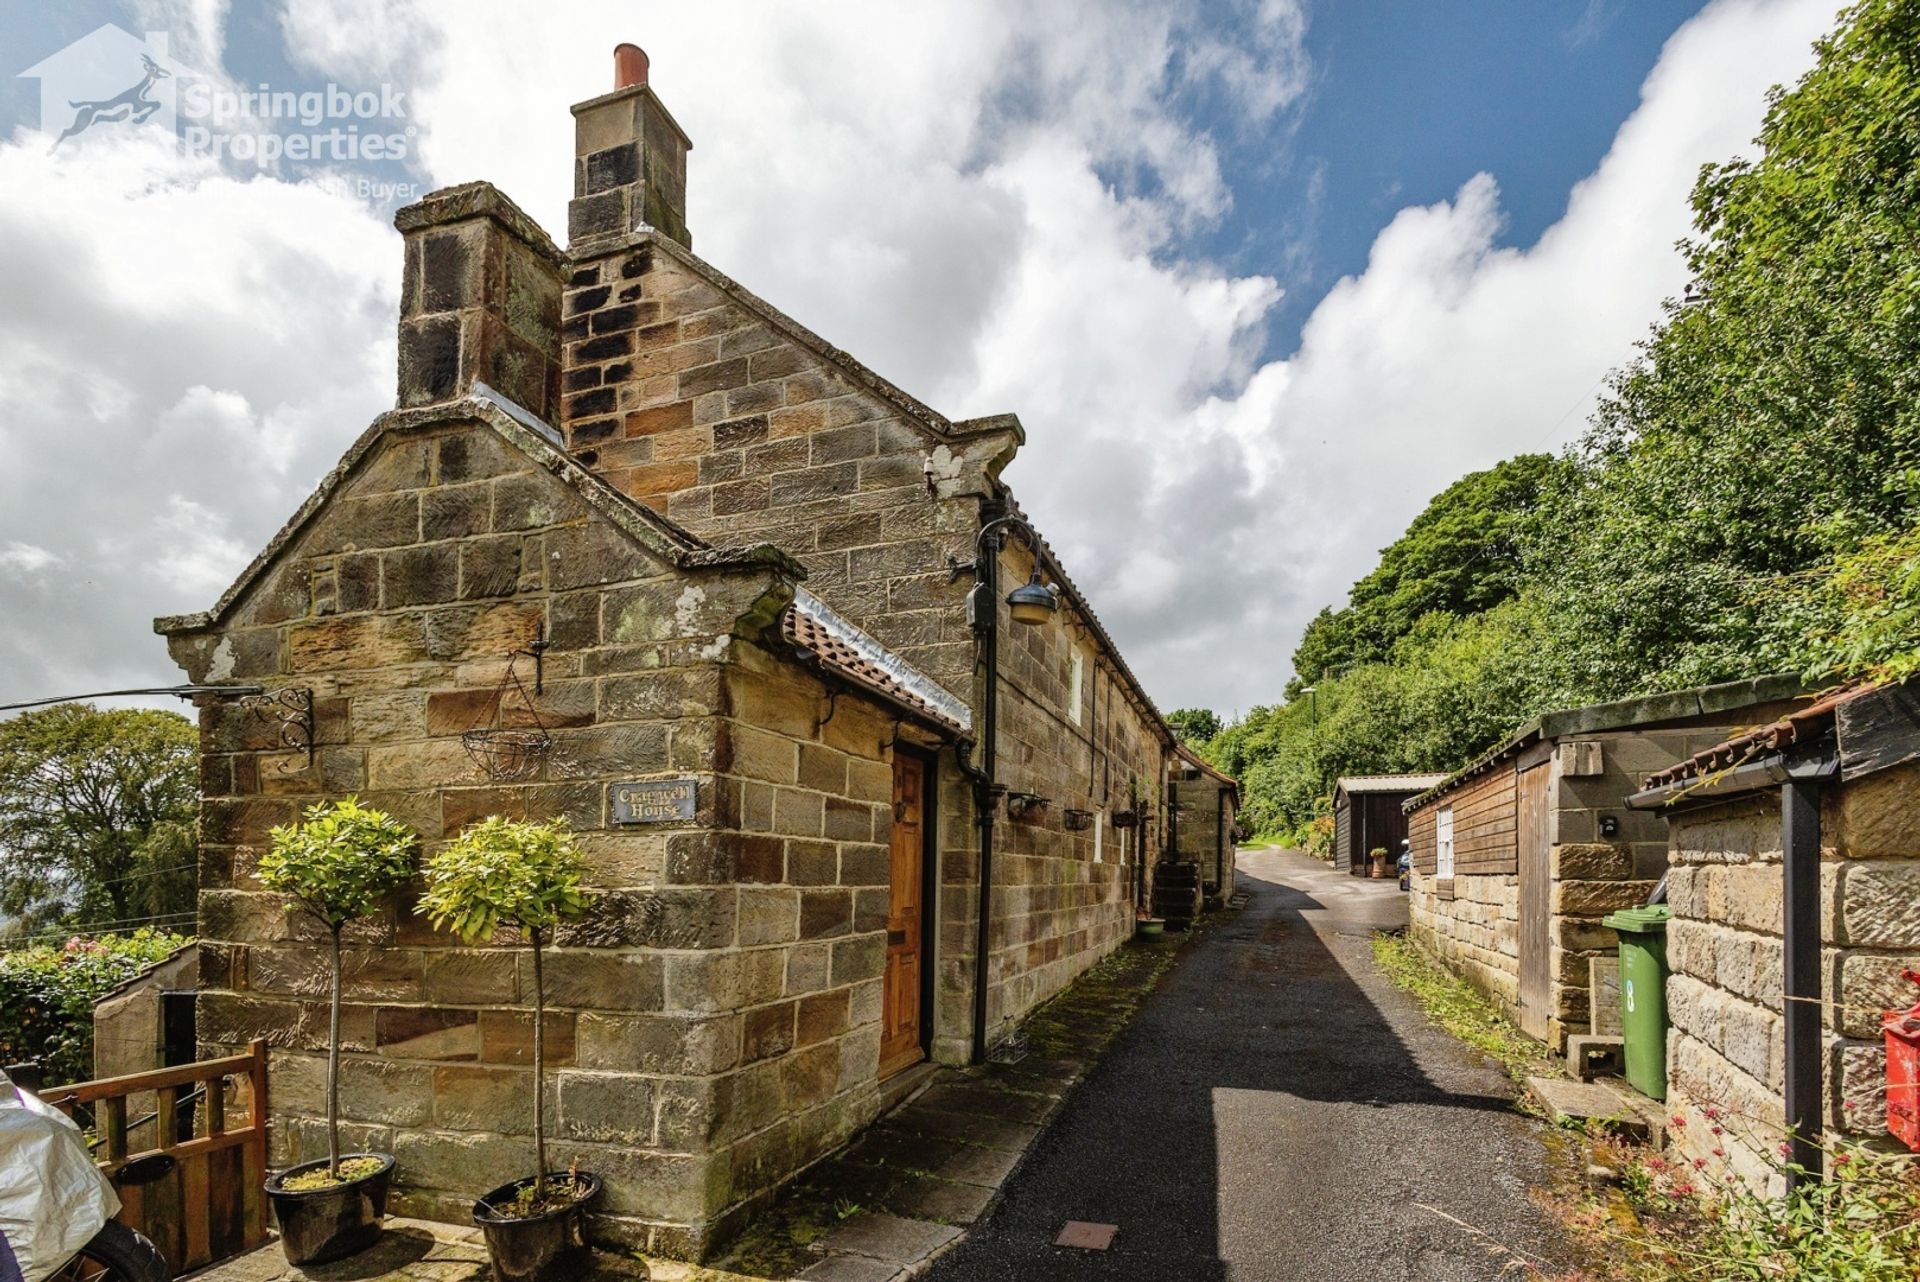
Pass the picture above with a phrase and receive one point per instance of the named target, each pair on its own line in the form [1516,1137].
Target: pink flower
[1841,1159]
[1786,1150]
[1717,1131]
[1847,1103]
[1719,1152]
[1679,1122]
[1713,1114]
[1684,1189]
[1699,1163]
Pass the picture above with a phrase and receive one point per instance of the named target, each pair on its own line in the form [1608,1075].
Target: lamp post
[1030,604]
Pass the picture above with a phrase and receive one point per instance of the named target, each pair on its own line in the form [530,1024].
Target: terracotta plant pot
[318,1225]
[549,1247]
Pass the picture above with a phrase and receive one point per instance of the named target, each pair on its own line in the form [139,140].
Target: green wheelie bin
[1643,994]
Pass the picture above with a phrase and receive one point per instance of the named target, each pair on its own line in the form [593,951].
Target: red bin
[1903,1075]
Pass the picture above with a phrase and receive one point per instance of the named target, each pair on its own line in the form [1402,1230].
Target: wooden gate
[194,1185]
[900,1036]
[1536,900]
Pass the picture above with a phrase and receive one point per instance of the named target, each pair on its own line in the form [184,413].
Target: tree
[338,863]
[1194,725]
[1463,554]
[502,872]
[97,816]
[1772,422]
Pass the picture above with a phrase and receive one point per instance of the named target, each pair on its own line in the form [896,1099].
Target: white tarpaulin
[53,1199]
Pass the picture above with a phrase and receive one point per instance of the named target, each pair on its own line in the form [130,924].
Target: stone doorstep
[1609,1102]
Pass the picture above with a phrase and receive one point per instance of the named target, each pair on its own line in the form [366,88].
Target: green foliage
[97,817]
[1194,725]
[47,994]
[502,872]
[1699,1222]
[505,872]
[1462,555]
[1457,1006]
[1773,422]
[341,860]
[1743,503]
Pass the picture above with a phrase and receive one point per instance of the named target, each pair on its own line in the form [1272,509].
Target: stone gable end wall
[397,605]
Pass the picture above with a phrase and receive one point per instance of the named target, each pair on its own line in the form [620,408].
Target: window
[1076,679]
[1443,843]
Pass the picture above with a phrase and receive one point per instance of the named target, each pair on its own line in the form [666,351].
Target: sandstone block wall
[692,397]
[1727,1047]
[398,606]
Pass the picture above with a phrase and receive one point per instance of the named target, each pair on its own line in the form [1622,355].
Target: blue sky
[1408,101]
[1259,276]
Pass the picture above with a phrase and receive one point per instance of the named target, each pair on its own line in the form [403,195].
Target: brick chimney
[629,160]
[479,301]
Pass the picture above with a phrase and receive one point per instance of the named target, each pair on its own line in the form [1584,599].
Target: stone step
[1618,1108]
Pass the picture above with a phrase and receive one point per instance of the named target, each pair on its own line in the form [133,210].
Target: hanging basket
[507,756]
[1078,820]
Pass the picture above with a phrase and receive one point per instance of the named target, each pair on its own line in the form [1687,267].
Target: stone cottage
[1517,857]
[1795,887]
[719,577]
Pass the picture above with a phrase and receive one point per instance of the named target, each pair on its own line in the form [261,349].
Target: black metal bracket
[536,652]
[291,710]
[956,568]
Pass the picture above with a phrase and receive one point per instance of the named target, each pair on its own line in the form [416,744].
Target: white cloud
[24,558]
[989,202]
[183,355]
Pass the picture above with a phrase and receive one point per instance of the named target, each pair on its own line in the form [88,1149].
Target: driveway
[1275,1112]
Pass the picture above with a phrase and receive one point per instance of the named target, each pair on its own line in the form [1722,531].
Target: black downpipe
[1220,847]
[987,574]
[1800,926]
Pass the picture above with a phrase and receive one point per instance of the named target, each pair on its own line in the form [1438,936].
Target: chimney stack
[629,160]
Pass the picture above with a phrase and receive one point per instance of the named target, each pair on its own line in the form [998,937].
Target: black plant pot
[317,1225]
[549,1247]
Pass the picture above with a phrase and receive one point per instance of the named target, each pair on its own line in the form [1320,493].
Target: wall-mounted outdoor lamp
[1033,601]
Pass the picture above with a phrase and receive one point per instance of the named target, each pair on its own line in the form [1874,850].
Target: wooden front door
[900,1040]
[1536,900]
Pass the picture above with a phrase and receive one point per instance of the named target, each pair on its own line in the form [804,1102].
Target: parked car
[56,1208]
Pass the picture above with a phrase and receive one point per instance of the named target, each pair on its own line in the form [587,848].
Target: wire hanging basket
[508,754]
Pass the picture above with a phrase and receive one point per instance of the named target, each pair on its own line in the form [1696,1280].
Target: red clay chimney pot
[629,66]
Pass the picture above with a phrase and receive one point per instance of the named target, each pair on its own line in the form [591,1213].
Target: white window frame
[1443,843]
[1076,684]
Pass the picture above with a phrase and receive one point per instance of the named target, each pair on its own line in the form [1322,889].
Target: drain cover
[1087,1237]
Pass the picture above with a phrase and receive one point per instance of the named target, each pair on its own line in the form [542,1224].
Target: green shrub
[47,995]
[528,876]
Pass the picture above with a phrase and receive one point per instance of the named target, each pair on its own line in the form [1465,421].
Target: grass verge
[1457,1006]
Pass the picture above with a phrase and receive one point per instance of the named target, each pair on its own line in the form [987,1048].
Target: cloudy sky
[1259,276]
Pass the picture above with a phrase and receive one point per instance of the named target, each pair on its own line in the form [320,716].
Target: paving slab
[409,1251]
[894,1238]
[852,1268]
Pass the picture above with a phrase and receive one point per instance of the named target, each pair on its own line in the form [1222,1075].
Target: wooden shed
[1517,857]
[1367,813]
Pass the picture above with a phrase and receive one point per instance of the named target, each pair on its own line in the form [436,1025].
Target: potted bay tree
[530,877]
[338,863]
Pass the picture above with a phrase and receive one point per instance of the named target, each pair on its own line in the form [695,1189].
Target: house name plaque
[653,801]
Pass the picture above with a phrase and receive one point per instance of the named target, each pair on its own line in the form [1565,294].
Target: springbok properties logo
[112,80]
[108,79]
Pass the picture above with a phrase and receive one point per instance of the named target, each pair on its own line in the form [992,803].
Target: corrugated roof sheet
[1387,783]
[850,653]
